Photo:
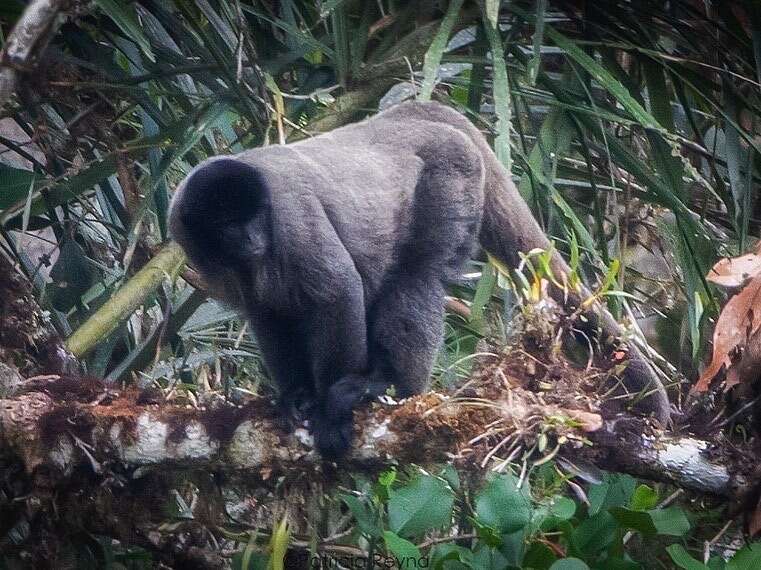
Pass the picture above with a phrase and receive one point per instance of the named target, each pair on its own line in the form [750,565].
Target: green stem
[124,302]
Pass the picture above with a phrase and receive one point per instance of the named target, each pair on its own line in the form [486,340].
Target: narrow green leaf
[604,78]
[501,85]
[536,58]
[484,291]
[339,29]
[125,18]
[436,50]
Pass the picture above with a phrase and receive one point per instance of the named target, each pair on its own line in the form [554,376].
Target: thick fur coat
[337,248]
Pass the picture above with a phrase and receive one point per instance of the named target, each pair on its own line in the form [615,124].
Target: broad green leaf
[555,138]
[644,498]
[72,276]
[450,556]
[682,559]
[14,185]
[569,564]
[484,291]
[615,491]
[423,504]
[450,475]
[407,554]
[365,518]
[562,508]
[502,505]
[670,522]
[539,556]
[594,535]
[488,558]
[748,558]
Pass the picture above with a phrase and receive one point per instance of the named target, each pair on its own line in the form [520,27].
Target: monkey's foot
[295,407]
[332,439]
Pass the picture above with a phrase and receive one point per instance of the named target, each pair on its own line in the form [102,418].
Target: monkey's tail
[509,227]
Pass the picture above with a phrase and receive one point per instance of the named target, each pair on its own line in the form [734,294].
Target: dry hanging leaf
[738,321]
[735,271]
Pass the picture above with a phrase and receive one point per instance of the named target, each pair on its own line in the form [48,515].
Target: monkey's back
[398,190]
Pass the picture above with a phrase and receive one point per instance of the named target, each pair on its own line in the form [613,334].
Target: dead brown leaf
[735,271]
[738,322]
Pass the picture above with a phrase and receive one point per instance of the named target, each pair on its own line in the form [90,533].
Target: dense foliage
[631,129]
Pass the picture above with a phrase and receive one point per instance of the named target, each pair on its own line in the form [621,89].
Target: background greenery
[630,128]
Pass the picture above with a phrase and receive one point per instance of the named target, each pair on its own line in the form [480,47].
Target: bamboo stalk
[124,302]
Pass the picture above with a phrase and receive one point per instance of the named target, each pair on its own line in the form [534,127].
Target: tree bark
[29,37]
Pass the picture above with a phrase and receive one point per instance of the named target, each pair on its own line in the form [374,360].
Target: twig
[29,37]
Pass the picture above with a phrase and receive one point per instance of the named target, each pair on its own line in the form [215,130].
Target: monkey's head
[220,216]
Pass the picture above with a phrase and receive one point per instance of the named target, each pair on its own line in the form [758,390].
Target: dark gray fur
[336,248]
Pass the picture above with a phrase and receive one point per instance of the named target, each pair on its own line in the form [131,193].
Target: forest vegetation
[136,424]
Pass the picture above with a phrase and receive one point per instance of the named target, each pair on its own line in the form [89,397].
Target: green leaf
[562,508]
[536,59]
[604,78]
[450,475]
[614,491]
[738,165]
[502,505]
[539,556]
[594,535]
[436,49]
[407,554]
[748,558]
[487,558]
[423,504]
[484,291]
[14,185]
[341,43]
[682,559]
[125,18]
[501,85]
[366,520]
[72,276]
[569,564]
[644,498]
[670,522]
[450,556]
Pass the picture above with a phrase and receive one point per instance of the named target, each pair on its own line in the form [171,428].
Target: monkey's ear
[214,210]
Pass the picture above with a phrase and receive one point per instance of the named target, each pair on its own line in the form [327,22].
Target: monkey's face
[220,215]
